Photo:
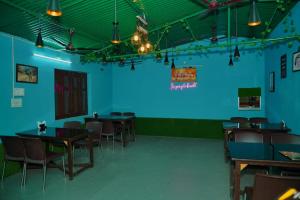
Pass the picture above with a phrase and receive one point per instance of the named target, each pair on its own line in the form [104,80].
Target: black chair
[35,153]
[247,136]
[258,120]
[95,129]
[239,119]
[73,124]
[130,125]
[116,113]
[267,187]
[109,130]
[13,151]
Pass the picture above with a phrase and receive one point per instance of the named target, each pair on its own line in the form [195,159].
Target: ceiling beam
[38,16]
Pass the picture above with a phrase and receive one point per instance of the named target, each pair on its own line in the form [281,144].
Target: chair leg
[44,175]
[3,170]
[64,167]
[25,173]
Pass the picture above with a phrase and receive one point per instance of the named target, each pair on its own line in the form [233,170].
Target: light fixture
[236,54]
[254,19]
[136,38]
[39,40]
[51,58]
[230,61]
[142,49]
[116,35]
[173,64]
[54,8]
[148,46]
[132,65]
[166,61]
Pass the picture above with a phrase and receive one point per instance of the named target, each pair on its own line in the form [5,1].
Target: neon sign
[183,86]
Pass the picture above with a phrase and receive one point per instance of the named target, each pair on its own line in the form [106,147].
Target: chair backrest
[130,114]
[248,136]
[116,113]
[271,187]
[13,148]
[285,138]
[72,124]
[95,127]
[108,127]
[34,150]
[258,120]
[239,119]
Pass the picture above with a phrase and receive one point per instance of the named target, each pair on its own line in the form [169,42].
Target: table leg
[237,179]
[123,135]
[70,159]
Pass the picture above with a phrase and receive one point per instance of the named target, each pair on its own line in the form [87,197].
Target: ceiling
[181,21]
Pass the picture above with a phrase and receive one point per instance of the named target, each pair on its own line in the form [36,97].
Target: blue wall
[146,90]
[284,103]
[38,102]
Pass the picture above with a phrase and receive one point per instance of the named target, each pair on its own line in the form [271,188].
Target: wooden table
[254,154]
[117,119]
[68,137]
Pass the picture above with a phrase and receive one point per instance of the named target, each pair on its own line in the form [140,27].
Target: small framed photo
[272,82]
[26,74]
[296,61]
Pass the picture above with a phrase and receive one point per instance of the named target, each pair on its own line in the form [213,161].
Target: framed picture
[272,82]
[283,60]
[26,74]
[296,61]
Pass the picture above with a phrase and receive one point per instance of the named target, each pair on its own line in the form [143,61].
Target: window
[70,94]
[249,98]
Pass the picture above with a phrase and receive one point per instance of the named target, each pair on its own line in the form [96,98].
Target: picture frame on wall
[26,74]
[272,82]
[296,61]
[283,65]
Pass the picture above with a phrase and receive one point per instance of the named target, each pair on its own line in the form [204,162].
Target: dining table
[120,119]
[243,155]
[67,136]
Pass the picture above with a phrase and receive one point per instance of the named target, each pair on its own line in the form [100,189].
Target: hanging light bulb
[132,65]
[148,46]
[39,40]
[136,38]
[166,61]
[173,64]
[142,49]
[230,61]
[254,19]
[116,35]
[54,8]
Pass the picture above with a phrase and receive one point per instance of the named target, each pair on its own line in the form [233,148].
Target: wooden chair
[239,119]
[35,153]
[109,130]
[267,187]
[95,129]
[258,120]
[13,151]
[247,136]
[116,113]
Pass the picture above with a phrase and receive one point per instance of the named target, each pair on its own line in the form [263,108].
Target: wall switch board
[19,92]
[16,103]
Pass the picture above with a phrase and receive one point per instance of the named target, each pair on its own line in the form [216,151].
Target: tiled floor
[152,168]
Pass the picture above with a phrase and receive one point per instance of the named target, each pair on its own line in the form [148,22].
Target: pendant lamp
[132,65]
[54,8]
[166,61]
[115,33]
[173,64]
[254,19]
[230,61]
[39,40]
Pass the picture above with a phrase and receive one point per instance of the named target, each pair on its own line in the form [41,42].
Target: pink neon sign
[183,86]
